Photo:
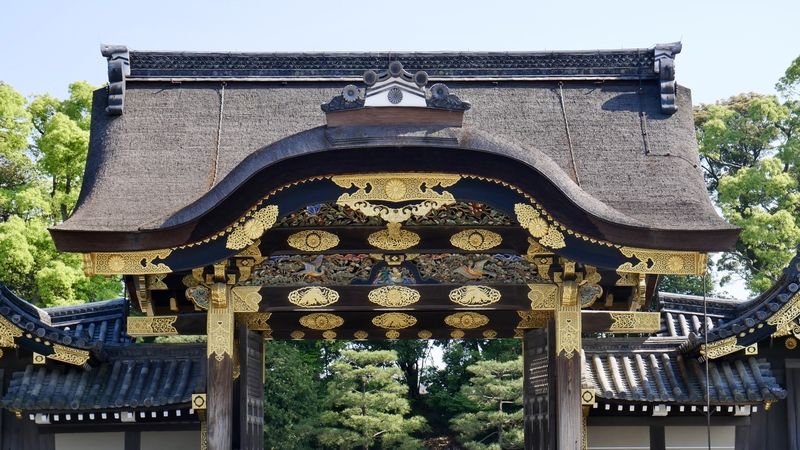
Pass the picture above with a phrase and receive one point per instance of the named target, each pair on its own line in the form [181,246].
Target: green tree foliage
[411,355]
[496,388]
[750,152]
[43,147]
[366,404]
[292,399]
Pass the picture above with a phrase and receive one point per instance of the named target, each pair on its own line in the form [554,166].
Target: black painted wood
[742,439]
[133,440]
[658,438]
[539,389]
[251,389]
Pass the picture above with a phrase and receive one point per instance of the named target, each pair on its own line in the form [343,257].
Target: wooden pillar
[658,438]
[219,391]
[569,422]
[539,388]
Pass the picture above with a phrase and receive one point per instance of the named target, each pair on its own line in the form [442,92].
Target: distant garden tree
[497,390]
[43,146]
[366,404]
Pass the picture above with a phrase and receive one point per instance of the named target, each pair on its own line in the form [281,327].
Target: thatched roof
[157,171]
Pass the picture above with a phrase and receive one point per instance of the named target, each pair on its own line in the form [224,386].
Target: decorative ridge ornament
[396,87]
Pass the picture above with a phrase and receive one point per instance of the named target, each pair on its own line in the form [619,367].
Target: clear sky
[729,46]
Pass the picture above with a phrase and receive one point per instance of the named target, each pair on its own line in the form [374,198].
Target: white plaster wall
[627,438]
[169,440]
[696,438]
[90,441]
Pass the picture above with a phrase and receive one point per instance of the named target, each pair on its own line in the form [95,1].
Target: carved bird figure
[475,270]
[313,269]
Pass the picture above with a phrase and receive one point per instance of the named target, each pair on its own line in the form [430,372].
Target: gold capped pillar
[569,422]
[219,389]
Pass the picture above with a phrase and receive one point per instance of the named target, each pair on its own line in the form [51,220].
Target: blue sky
[729,46]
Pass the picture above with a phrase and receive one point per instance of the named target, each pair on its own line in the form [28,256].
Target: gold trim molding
[635,322]
[786,314]
[664,262]
[473,295]
[313,297]
[69,355]
[721,348]
[394,321]
[466,320]
[394,296]
[313,240]
[152,326]
[321,321]
[476,240]
[568,333]
[246,231]
[125,263]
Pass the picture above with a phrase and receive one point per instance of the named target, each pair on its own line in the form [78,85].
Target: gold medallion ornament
[360,335]
[476,240]
[790,343]
[393,238]
[424,334]
[313,297]
[490,334]
[466,320]
[297,335]
[635,322]
[392,334]
[393,296]
[662,262]
[329,334]
[129,263]
[532,220]
[321,321]
[394,321]
[457,334]
[473,295]
[313,240]
[243,234]
[152,326]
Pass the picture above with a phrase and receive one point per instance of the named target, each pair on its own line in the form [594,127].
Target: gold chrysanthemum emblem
[116,263]
[538,227]
[313,240]
[675,263]
[395,189]
[476,239]
[253,229]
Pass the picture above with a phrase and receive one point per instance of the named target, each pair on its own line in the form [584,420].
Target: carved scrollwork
[568,333]
[245,233]
[360,335]
[246,298]
[424,334]
[394,321]
[255,321]
[69,355]
[476,240]
[8,331]
[297,335]
[457,334]
[466,320]
[786,314]
[127,263]
[490,334]
[394,296]
[543,296]
[313,240]
[472,295]
[721,348]
[635,322]
[220,333]
[329,334]
[313,297]
[662,262]
[393,238]
[392,334]
[152,326]
[539,227]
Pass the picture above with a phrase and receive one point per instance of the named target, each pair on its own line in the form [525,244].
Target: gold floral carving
[543,296]
[568,333]
[532,220]
[592,277]
[220,332]
[490,334]
[69,355]
[8,331]
[297,335]
[360,335]
[128,263]
[635,322]
[313,240]
[321,321]
[246,298]
[663,262]
[721,348]
[472,295]
[457,334]
[393,238]
[790,343]
[152,326]
[424,334]
[244,234]
[394,321]
[394,296]
[313,297]
[328,334]
[467,320]
[255,321]
[534,319]
[476,240]
[392,334]
[786,314]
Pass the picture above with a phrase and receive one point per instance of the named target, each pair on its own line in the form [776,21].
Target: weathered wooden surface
[658,438]
[568,400]
[251,389]
[219,392]
[539,415]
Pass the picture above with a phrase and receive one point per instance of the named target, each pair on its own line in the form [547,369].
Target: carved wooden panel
[539,389]
[251,389]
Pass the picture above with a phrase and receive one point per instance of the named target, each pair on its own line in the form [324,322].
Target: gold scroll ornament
[152,326]
[393,238]
[393,296]
[472,295]
[243,234]
[424,334]
[663,262]
[543,296]
[547,234]
[721,348]
[246,298]
[786,314]
[313,240]
[476,240]
[635,322]
[8,331]
[255,321]
[394,321]
[466,320]
[220,333]
[313,297]
[69,355]
[127,263]
[534,319]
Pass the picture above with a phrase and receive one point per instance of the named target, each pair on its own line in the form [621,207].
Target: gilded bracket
[664,262]
[534,319]
[568,320]
[543,296]
[69,355]
[125,263]
[721,348]
[246,298]
[8,331]
[152,326]
[635,322]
